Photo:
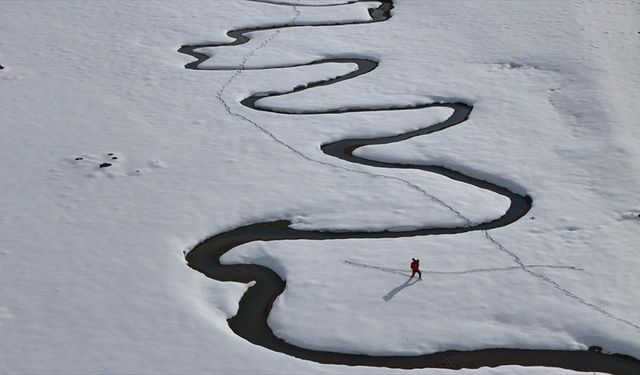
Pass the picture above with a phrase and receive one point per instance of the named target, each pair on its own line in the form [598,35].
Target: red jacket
[415,265]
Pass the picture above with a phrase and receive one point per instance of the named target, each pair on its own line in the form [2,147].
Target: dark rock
[596,349]
[115,158]
[104,165]
[110,154]
[78,158]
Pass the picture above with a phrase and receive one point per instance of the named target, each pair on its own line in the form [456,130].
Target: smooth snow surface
[92,272]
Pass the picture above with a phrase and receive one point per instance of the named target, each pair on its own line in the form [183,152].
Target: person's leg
[412,273]
[419,274]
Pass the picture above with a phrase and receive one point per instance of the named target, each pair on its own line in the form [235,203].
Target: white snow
[92,272]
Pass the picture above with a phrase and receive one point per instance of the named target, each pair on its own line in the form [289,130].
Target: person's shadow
[397,289]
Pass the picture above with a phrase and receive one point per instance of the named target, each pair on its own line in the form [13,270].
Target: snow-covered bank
[521,136]
[93,278]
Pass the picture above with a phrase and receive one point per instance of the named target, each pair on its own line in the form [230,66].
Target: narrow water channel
[250,322]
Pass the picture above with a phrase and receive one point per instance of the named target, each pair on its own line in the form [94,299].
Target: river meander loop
[250,322]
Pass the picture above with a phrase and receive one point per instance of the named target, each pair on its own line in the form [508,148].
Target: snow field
[92,275]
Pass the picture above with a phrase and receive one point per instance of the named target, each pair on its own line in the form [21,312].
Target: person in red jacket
[415,268]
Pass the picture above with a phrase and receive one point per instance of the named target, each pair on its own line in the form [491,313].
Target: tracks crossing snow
[250,322]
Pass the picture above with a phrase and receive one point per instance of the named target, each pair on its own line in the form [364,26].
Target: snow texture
[92,273]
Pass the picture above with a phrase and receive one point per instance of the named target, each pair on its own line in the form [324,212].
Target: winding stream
[251,320]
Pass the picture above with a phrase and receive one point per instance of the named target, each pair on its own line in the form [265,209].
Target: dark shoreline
[255,305]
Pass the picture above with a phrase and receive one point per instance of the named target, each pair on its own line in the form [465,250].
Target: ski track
[467,224]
